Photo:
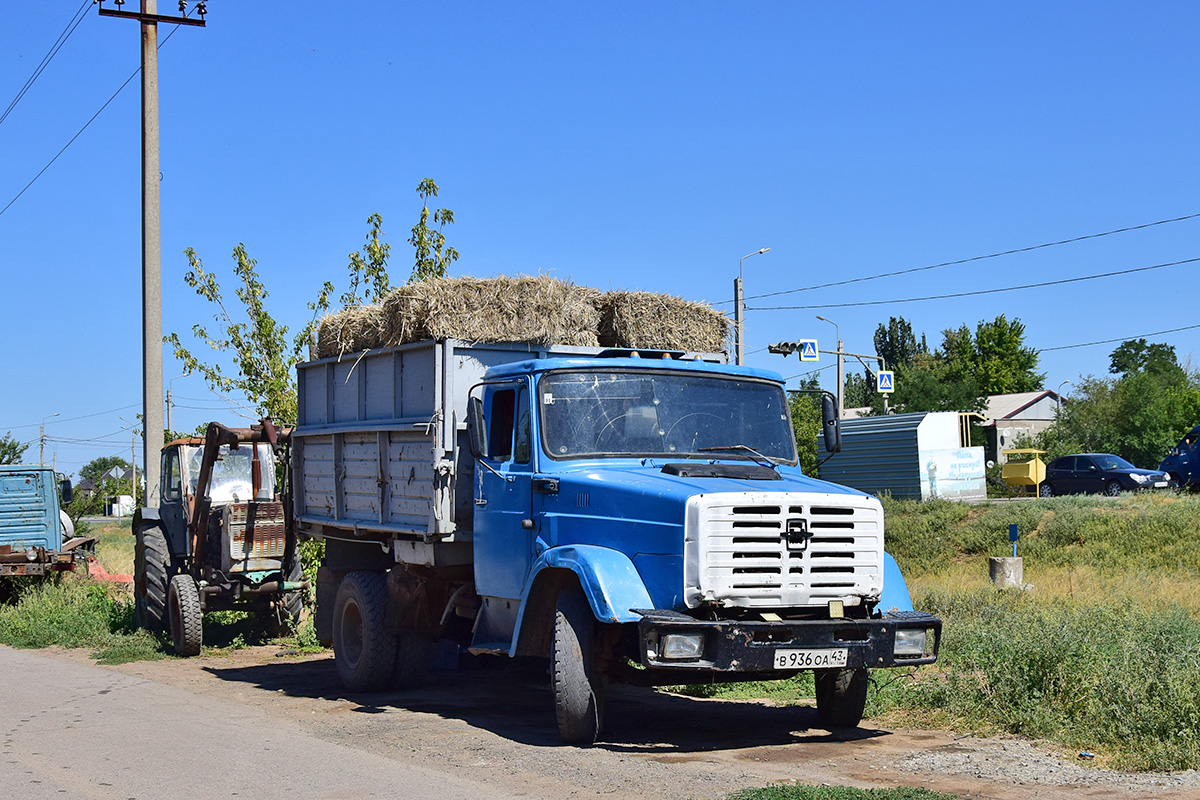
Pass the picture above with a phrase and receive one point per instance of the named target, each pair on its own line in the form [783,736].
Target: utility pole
[152,379]
[739,312]
[42,438]
[133,471]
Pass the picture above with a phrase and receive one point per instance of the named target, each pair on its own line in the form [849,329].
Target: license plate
[1160,484]
[810,659]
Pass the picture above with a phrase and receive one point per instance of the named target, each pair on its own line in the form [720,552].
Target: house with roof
[1009,416]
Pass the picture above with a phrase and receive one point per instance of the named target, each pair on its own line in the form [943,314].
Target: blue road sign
[808,350]
[885,381]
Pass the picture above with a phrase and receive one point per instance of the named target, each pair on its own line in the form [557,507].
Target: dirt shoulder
[497,725]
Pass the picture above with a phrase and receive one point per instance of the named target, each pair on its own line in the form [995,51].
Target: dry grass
[535,309]
[1082,583]
[660,322]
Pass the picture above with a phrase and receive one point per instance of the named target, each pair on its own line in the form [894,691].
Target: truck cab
[1183,461]
[664,497]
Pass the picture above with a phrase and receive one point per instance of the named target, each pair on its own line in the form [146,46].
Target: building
[1009,416]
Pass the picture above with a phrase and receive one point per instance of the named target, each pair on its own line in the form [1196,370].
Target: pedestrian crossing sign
[808,350]
[885,381]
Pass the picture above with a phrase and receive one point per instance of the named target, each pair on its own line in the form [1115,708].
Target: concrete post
[1007,572]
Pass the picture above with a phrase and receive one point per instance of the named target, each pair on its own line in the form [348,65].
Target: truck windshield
[232,476]
[634,413]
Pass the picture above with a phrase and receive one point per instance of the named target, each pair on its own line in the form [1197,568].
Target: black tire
[363,651]
[841,696]
[1046,490]
[187,620]
[413,652]
[1112,489]
[150,570]
[578,686]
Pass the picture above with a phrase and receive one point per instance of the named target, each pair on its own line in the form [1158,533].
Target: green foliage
[1110,676]
[858,391]
[433,258]
[797,791]
[96,468]
[806,422]
[961,373]
[368,268]
[1138,416]
[74,613]
[11,450]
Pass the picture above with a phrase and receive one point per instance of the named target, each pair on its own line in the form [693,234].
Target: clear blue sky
[634,145]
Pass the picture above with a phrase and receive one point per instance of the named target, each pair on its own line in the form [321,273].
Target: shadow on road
[513,701]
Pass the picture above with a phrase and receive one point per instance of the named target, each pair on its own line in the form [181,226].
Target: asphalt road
[80,731]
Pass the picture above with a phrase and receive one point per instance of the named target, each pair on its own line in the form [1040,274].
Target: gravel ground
[497,726]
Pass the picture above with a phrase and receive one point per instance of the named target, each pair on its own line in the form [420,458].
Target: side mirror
[830,425]
[65,490]
[476,427]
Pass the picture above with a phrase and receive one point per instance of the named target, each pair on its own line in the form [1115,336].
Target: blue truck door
[503,523]
[28,511]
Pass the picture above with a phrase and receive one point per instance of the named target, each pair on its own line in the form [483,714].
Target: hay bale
[534,309]
[660,322]
[351,330]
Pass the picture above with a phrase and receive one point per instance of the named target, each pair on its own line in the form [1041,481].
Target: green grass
[795,791]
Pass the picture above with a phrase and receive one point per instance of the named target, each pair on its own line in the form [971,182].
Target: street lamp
[739,312]
[42,437]
[841,375]
[1058,395]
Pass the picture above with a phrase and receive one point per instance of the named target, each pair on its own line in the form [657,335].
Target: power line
[980,291]
[77,18]
[1119,339]
[84,128]
[1013,251]
[73,419]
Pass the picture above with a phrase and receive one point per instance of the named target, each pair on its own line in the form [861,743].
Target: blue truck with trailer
[630,516]
[37,538]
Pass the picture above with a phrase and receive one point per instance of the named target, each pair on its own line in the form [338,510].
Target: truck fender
[609,580]
[895,595]
[147,515]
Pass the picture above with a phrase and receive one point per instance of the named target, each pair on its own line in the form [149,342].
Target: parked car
[1100,473]
[1182,463]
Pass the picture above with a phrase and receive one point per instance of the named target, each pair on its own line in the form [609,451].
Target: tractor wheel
[288,606]
[841,696]
[150,567]
[578,686]
[363,651]
[187,620]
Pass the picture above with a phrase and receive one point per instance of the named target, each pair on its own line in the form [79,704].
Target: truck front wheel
[150,564]
[841,696]
[578,688]
[363,651]
[187,620]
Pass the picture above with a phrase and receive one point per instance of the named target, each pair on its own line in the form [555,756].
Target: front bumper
[749,646]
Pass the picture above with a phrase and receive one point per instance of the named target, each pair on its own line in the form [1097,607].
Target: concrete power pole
[152,378]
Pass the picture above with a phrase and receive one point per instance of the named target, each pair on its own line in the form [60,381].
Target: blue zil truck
[630,516]
[36,537]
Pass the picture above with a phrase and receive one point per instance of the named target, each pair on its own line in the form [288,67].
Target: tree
[1003,364]
[96,468]
[433,258]
[1138,416]
[11,450]
[369,268]
[859,390]
[806,422]
[896,344]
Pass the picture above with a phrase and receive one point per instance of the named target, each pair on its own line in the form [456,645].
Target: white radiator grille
[768,550]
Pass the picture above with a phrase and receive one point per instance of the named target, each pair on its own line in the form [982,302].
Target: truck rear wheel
[150,560]
[578,688]
[363,651]
[187,620]
[841,696]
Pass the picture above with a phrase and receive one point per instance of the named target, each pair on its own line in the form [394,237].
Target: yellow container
[1024,473]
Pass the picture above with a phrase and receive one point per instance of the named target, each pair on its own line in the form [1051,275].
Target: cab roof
[652,360]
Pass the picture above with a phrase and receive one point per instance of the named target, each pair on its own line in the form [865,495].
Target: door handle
[545,485]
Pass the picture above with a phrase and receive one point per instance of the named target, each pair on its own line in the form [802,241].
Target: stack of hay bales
[531,309]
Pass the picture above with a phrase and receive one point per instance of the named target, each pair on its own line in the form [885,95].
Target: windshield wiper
[766,461]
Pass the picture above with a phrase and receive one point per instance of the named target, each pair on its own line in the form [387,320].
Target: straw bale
[660,322]
[523,308]
[351,330]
